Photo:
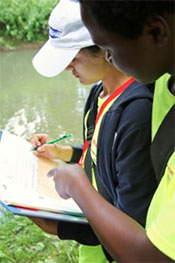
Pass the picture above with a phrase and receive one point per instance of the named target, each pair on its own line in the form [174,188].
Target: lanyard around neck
[113,96]
[101,110]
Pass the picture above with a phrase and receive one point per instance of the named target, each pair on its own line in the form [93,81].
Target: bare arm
[49,226]
[123,237]
[50,151]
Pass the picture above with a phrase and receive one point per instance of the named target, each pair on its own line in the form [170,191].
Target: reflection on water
[31,103]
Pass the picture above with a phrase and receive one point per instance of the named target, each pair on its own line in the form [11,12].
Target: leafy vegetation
[21,241]
[24,21]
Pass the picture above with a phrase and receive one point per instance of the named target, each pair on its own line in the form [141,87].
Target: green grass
[21,241]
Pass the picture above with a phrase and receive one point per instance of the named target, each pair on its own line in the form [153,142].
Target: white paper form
[20,181]
[17,164]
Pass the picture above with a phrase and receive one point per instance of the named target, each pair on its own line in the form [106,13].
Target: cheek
[122,63]
[134,67]
[128,64]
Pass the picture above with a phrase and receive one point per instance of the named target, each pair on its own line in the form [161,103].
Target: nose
[108,57]
[69,67]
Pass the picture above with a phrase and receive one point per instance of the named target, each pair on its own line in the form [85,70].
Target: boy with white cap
[70,47]
[67,36]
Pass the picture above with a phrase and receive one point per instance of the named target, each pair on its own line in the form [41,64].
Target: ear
[158,29]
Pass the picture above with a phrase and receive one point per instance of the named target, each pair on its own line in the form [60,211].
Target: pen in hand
[53,141]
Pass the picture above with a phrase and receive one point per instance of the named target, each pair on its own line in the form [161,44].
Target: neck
[113,81]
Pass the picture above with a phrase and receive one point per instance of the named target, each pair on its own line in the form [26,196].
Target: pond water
[31,103]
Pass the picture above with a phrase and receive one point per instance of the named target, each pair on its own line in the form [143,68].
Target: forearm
[69,153]
[123,237]
[64,153]
[49,226]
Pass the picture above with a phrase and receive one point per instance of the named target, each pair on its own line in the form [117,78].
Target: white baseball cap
[67,35]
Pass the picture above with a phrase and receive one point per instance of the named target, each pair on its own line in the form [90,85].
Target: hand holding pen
[43,146]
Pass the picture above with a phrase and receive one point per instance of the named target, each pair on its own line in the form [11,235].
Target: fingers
[67,178]
[46,151]
[52,173]
[40,151]
[39,139]
[60,182]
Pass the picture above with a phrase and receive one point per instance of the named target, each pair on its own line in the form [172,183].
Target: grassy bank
[23,22]
[21,241]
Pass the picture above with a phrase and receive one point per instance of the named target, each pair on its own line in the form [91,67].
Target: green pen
[53,141]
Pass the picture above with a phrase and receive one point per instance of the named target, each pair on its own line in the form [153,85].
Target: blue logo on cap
[54,33]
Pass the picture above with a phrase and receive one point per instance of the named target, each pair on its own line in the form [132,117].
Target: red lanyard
[113,96]
[102,108]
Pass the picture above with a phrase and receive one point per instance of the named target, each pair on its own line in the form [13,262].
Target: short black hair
[94,50]
[126,18]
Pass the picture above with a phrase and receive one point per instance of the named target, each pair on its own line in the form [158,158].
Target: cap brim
[50,61]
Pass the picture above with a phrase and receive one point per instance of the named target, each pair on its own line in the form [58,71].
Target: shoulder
[135,92]
[130,115]
[138,109]
[137,115]
[135,104]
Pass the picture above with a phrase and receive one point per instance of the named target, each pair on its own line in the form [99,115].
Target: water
[31,103]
